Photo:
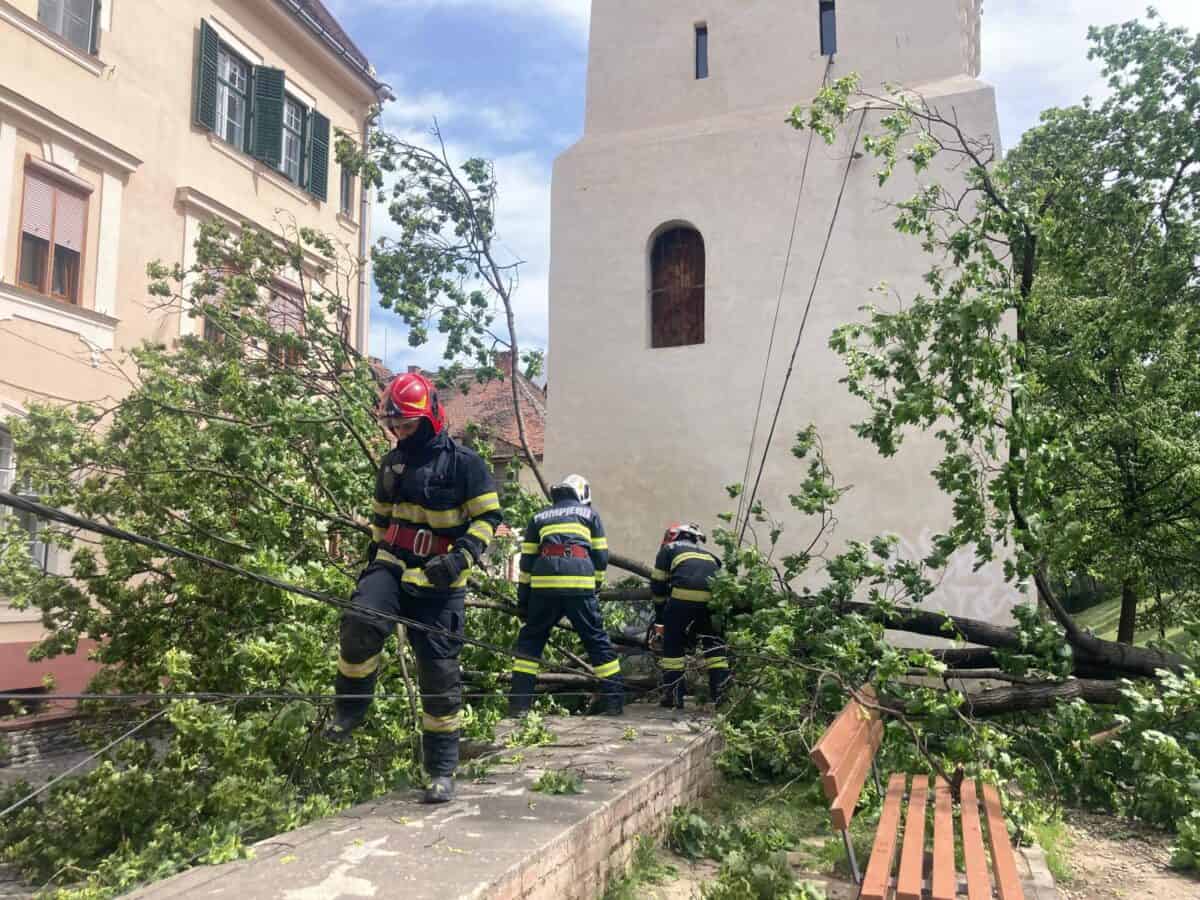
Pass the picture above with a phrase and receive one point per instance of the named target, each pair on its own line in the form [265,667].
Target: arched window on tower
[677,288]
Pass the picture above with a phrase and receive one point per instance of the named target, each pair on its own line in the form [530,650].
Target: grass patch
[646,867]
[558,781]
[1055,842]
[1103,619]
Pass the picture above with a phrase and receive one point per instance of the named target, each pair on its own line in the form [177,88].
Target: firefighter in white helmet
[681,589]
[563,560]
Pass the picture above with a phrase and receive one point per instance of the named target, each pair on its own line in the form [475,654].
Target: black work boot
[340,731]
[672,688]
[349,712]
[718,684]
[440,790]
[520,694]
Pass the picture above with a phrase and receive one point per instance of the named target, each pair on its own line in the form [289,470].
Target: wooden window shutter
[37,216]
[69,221]
[267,115]
[206,77]
[318,155]
[677,289]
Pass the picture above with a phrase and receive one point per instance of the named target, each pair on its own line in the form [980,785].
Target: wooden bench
[845,756]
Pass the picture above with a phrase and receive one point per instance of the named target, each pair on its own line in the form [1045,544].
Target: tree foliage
[1053,349]
[255,444]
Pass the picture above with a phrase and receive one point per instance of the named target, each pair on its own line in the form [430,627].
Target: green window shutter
[206,77]
[318,155]
[267,116]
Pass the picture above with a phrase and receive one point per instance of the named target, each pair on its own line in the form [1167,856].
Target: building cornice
[94,145]
[193,199]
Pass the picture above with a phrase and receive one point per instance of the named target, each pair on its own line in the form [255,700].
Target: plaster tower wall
[660,431]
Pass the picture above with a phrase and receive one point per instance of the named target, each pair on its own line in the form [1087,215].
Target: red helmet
[412,396]
[677,530]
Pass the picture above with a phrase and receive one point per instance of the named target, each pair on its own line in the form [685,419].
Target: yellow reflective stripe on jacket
[609,669]
[358,670]
[530,549]
[380,508]
[693,596]
[438,518]
[684,557]
[382,555]
[484,503]
[417,578]
[659,575]
[378,532]
[600,543]
[523,578]
[441,724]
[562,581]
[526,667]
[483,530]
[672,664]
[573,528]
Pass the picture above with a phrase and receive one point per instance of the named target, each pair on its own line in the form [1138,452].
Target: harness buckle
[423,542]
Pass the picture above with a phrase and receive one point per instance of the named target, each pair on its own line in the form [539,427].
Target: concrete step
[499,840]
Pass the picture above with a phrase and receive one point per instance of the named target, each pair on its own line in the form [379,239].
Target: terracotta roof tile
[490,405]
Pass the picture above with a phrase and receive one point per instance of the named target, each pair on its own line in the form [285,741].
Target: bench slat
[1004,864]
[839,736]
[876,882]
[912,857]
[944,880]
[841,810]
[979,886]
[845,763]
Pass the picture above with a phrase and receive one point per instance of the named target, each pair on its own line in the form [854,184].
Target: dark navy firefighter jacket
[682,571]
[571,524]
[432,499]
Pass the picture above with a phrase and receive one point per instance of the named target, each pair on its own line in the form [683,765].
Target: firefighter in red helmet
[435,511]
[680,584]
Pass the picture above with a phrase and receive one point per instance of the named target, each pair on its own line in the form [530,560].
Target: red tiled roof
[490,406]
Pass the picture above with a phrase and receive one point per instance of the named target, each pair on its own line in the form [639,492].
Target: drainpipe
[364,266]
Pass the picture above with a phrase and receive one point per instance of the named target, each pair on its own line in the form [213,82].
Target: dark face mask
[422,436]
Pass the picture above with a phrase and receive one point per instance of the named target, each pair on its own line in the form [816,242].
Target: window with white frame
[72,20]
[292,158]
[233,82]
[39,551]
[347,204]
[248,107]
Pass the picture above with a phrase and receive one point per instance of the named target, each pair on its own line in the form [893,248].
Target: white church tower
[671,223]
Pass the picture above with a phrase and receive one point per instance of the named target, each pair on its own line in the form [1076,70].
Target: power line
[803,323]
[57,515]
[787,262]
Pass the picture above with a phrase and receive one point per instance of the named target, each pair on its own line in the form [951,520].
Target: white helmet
[574,485]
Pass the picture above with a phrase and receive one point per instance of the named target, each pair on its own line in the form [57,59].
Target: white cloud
[1036,52]
[523,222]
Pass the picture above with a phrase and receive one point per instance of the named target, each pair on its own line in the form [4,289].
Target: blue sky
[505,78]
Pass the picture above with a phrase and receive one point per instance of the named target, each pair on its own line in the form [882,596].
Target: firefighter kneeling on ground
[680,585]
[435,511]
[563,560]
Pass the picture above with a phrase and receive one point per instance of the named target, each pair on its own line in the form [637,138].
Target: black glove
[442,571]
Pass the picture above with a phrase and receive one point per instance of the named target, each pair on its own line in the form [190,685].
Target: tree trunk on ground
[1129,604]
[1020,698]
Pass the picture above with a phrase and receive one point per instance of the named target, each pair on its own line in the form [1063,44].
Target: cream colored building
[671,222]
[124,125]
